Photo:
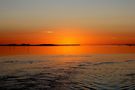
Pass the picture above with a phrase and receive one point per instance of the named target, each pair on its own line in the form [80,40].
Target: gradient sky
[67,21]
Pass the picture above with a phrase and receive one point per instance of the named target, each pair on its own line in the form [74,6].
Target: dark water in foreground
[67,68]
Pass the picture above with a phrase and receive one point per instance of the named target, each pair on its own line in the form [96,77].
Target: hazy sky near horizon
[78,21]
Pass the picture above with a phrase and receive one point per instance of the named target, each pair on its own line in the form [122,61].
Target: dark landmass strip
[39,44]
[64,44]
[123,44]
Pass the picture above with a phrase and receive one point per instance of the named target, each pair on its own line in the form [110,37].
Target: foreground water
[67,68]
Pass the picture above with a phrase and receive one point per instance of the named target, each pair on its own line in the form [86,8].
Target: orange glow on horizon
[65,36]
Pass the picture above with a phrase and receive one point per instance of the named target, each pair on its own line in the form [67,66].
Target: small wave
[21,62]
[100,63]
[130,61]
[131,74]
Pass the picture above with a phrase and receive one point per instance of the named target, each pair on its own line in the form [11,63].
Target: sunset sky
[67,21]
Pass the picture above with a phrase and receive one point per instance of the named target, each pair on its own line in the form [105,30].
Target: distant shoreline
[39,44]
[66,44]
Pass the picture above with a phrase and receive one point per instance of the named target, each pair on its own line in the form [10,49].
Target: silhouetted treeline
[39,44]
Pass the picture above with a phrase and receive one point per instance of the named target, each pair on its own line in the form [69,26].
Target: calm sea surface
[67,68]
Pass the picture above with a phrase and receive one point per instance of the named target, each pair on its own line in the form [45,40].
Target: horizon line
[25,44]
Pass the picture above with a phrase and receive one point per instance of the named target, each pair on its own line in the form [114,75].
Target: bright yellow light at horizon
[67,40]
[67,35]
